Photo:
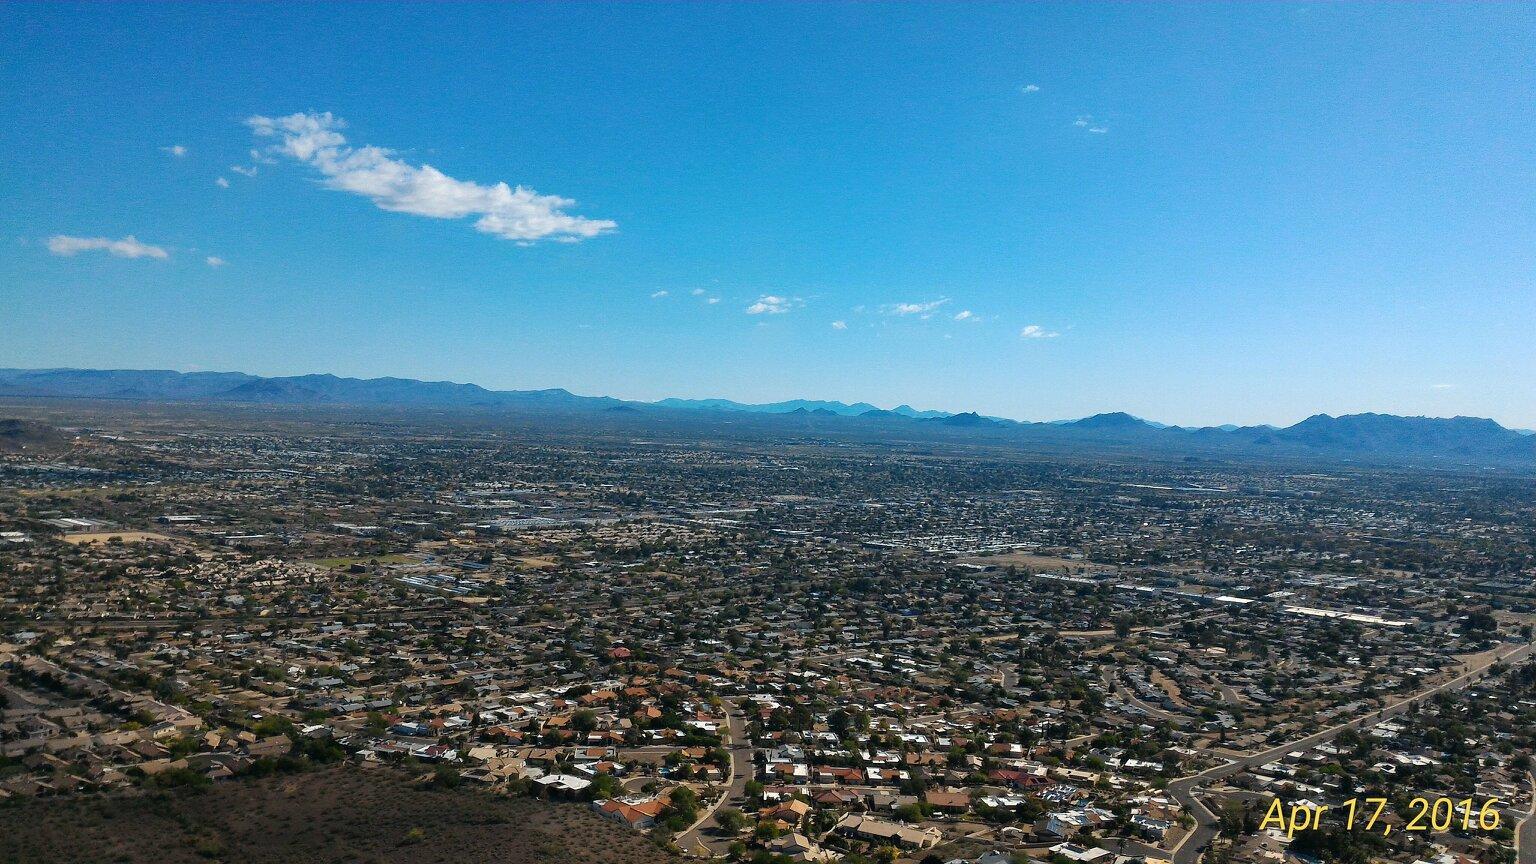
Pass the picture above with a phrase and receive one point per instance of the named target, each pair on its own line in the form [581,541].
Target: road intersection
[1183,790]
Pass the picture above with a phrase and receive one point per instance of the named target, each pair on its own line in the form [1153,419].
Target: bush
[180,778]
[445,777]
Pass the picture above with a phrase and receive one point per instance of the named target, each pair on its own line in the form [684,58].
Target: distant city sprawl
[758,644]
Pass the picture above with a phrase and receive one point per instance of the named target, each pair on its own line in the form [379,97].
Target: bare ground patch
[125,536]
[340,815]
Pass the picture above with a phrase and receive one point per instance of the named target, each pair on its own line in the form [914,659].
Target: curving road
[1189,849]
[1525,832]
[1118,688]
[699,839]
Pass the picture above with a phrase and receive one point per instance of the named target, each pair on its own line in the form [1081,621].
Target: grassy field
[338,815]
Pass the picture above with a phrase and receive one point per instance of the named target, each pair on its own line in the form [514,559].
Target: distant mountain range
[1356,437]
[158,385]
[841,409]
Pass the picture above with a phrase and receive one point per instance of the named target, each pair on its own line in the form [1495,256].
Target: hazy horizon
[1198,215]
[847,400]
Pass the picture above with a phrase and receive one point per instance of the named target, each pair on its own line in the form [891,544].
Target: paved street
[700,839]
[1118,688]
[1190,848]
[1525,832]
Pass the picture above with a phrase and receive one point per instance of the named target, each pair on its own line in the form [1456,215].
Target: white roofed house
[1068,822]
[1073,852]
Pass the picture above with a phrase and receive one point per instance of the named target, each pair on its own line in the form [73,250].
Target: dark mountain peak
[1112,420]
[1373,421]
[270,389]
[967,418]
[1414,437]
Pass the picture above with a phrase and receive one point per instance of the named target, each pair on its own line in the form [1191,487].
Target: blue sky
[1199,214]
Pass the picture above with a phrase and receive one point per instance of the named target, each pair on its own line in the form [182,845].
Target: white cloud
[712,301]
[215,261]
[839,325]
[515,213]
[1442,386]
[770,304]
[176,150]
[222,183]
[1035,331]
[247,172]
[128,247]
[966,315]
[658,295]
[1099,130]
[1084,120]
[697,292]
[1030,88]
[923,310]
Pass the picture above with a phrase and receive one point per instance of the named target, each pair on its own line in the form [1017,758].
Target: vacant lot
[1169,686]
[341,815]
[1038,562]
[104,536]
[336,563]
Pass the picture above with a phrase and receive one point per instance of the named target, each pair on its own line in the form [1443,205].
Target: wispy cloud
[697,292]
[1035,331]
[515,213]
[222,183]
[176,150]
[1086,121]
[922,310]
[244,171]
[771,304]
[127,247]
[967,315]
[1442,386]
[659,294]
[839,325]
[1030,88]
[215,261]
